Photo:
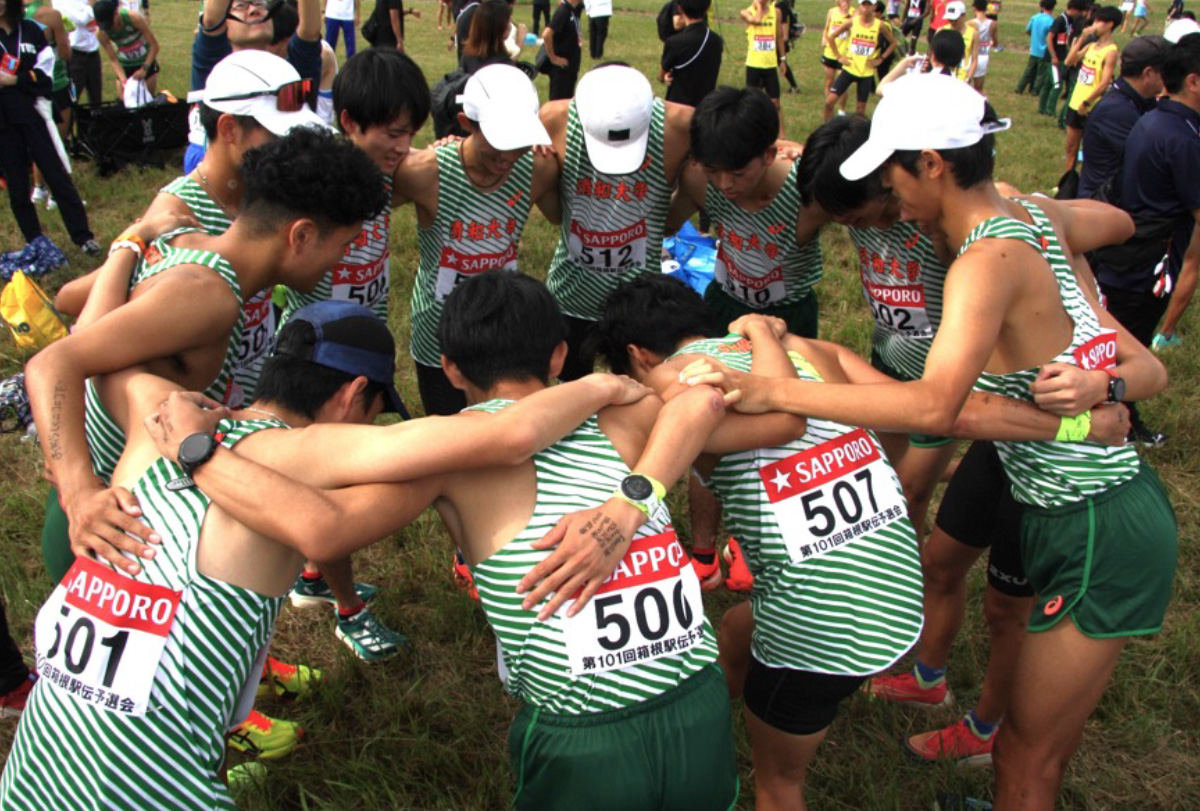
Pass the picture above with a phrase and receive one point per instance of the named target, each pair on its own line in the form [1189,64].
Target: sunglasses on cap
[289,98]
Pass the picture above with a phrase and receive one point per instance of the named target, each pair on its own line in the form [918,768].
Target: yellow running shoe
[288,681]
[265,738]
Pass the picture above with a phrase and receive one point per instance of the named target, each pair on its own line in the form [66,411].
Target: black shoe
[1146,437]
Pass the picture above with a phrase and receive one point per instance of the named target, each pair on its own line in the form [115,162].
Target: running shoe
[904,689]
[704,571]
[463,578]
[1163,341]
[955,743]
[287,681]
[739,577]
[91,248]
[39,194]
[308,593]
[1147,437]
[12,703]
[368,638]
[245,775]
[51,204]
[959,802]
[266,738]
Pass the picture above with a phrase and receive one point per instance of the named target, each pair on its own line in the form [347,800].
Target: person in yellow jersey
[870,43]
[834,19]
[765,33]
[1096,54]
[956,20]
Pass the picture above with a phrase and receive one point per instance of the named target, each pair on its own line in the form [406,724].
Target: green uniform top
[258,316]
[59,78]
[132,47]
[131,709]
[824,526]
[474,231]
[612,225]
[759,262]
[902,281]
[643,633]
[1052,474]
[362,273]
[105,438]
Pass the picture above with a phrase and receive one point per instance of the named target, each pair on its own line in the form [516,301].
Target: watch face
[1116,390]
[637,487]
[195,449]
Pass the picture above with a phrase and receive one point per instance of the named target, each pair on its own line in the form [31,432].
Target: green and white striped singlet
[825,530]
[759,263]
[902,282]
[1052,474]
[612,225]
[643,633]
[474,231]
[361,275]
[105,438]
[258,316]
[79,746]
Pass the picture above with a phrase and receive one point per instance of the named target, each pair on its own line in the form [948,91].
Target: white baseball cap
[921,111]
[1180,29]
[615,104]
[262,86]
[502,100]
[954,9]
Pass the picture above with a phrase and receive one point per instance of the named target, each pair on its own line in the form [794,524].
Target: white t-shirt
[598,8]
[83,38]
[339,9]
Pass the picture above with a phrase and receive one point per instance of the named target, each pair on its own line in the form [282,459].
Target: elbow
[520,443]
[944,420]
[1158,377]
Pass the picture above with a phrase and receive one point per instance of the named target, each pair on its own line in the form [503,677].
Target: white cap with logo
[954,9]
[259,85]
[921,111]
[615,104]
[502,100]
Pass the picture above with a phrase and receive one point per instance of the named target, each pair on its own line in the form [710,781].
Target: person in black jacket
[26,61]
[562,42]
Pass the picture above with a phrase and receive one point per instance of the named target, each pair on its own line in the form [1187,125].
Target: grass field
[427,730]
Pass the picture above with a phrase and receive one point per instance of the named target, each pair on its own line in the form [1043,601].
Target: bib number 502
[610,619]
[844,498]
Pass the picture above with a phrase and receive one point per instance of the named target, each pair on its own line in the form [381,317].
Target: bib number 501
[79,644]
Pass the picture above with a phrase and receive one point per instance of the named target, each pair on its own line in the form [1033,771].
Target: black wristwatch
[1116,389]
[195,450]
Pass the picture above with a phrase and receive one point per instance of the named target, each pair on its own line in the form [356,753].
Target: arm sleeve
[207,51]
[305,57]
[669,55]
[1186,162]
[36,80]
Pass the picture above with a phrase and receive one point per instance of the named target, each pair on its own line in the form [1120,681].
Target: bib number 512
[611,620]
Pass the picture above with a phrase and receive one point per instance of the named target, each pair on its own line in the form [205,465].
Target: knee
[1005,615]
[939,576]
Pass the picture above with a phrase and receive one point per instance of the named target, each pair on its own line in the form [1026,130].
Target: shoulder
[418,165]
[554,115]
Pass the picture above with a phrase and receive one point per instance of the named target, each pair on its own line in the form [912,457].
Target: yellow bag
[30,314]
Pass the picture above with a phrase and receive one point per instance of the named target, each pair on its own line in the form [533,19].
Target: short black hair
[1078,5]
[694,9]
[654,312]
[501,325]
[980,5]
[1183,59]
[104,12]
[302,386]
[1047,5]
[819,178]
[970,165]
[948,49]
[290,177]
[285,19]
[1109,14]
[377,85]
[733,126]
[209,116]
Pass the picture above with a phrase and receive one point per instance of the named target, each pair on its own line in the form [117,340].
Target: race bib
[862,47]
[134,51]
[900,310]
[454,267]
[1098,353]
[101,635]
[649,608]
[608,251]
[366,284]
[831,495]
[1087,75]
[764,42]
[755,291]
[258,328]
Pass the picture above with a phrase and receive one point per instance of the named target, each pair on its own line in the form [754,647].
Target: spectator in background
[84,66]
[1133,94]
[390,28]
[599,13]
[691,59]
[1065,29]
[1097,55]
[541,10]
[485,43]
[764,36]
[344,16]
[564,47]
[1037,69]
[135,56]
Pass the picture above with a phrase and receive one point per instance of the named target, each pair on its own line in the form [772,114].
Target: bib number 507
[844,496]
[652,623]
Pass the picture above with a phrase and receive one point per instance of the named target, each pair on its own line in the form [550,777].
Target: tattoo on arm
[56,406]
